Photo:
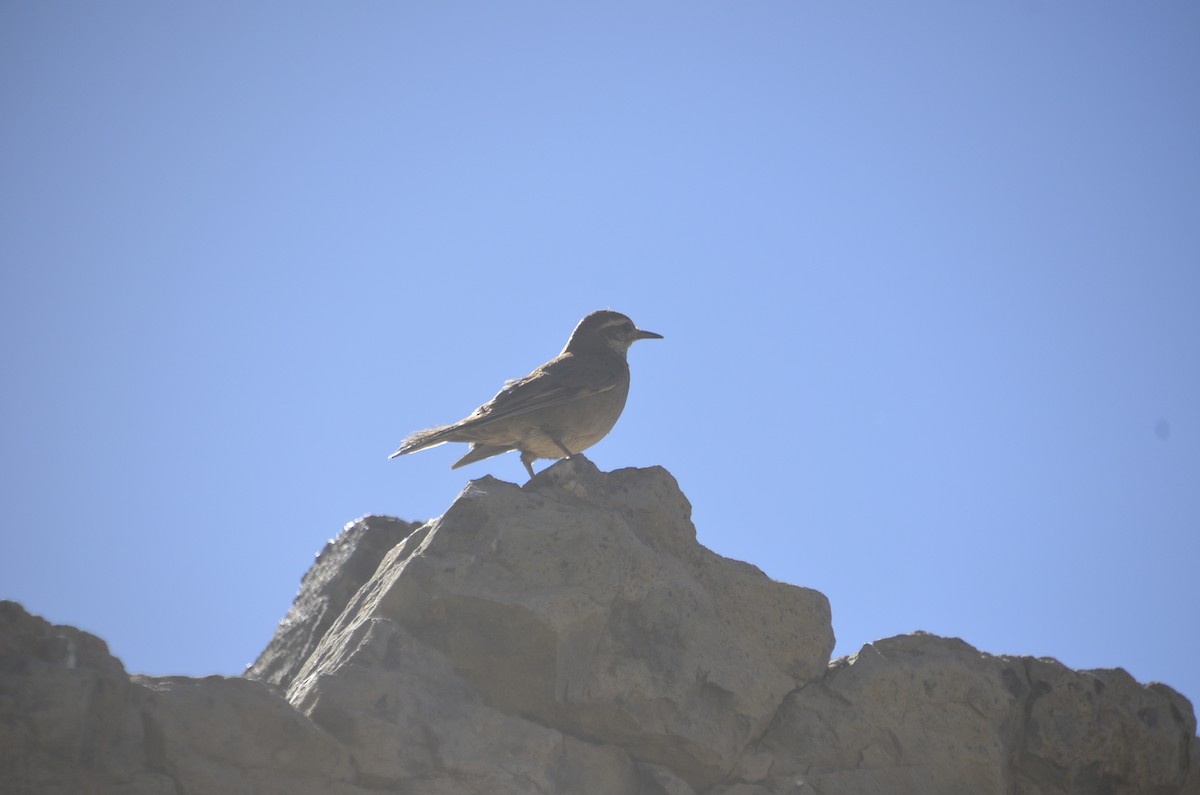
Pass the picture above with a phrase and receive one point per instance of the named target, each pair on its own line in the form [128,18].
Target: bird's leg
[527,458]
[562,447]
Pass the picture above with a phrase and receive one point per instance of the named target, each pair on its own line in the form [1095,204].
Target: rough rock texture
[342,567]
[920,713]
[580,605]
[571,636]
[72,721]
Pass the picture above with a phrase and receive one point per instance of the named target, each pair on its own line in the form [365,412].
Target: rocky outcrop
[340,570]
[920,713]
[571,636]
[581,607]
[72,721]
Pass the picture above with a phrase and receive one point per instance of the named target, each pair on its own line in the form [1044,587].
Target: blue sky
[928,273]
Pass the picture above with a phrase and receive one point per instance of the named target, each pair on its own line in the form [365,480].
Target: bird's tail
[430,437]
[478,452]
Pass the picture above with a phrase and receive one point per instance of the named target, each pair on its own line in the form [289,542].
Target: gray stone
[583,602]
[341,568]
[62,700]
[570,637]
[924,714]
[72,721]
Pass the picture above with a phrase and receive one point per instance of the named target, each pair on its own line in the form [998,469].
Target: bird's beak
[647,335]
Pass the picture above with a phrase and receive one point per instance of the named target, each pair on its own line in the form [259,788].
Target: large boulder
[581,603]
[63,704]
[72,721]
[925,714]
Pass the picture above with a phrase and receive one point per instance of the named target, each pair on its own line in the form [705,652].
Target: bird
[560,409]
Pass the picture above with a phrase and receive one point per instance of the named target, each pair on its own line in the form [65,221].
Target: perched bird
[560,409]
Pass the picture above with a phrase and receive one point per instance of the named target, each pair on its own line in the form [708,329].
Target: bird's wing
[561,380]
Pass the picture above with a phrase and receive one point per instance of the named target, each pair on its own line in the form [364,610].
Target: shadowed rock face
[571,636]
[920,713]
[341,568]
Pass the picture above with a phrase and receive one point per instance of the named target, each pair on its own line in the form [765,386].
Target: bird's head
[606,330]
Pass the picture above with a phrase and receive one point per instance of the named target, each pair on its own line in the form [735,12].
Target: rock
[231,735]
[582,603]
[72,721]
[62,704]
[416,726]
[341,568]
[658,780]
[569,637]
[1099,731]
[924,714]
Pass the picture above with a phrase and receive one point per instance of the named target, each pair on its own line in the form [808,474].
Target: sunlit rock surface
[571,636]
